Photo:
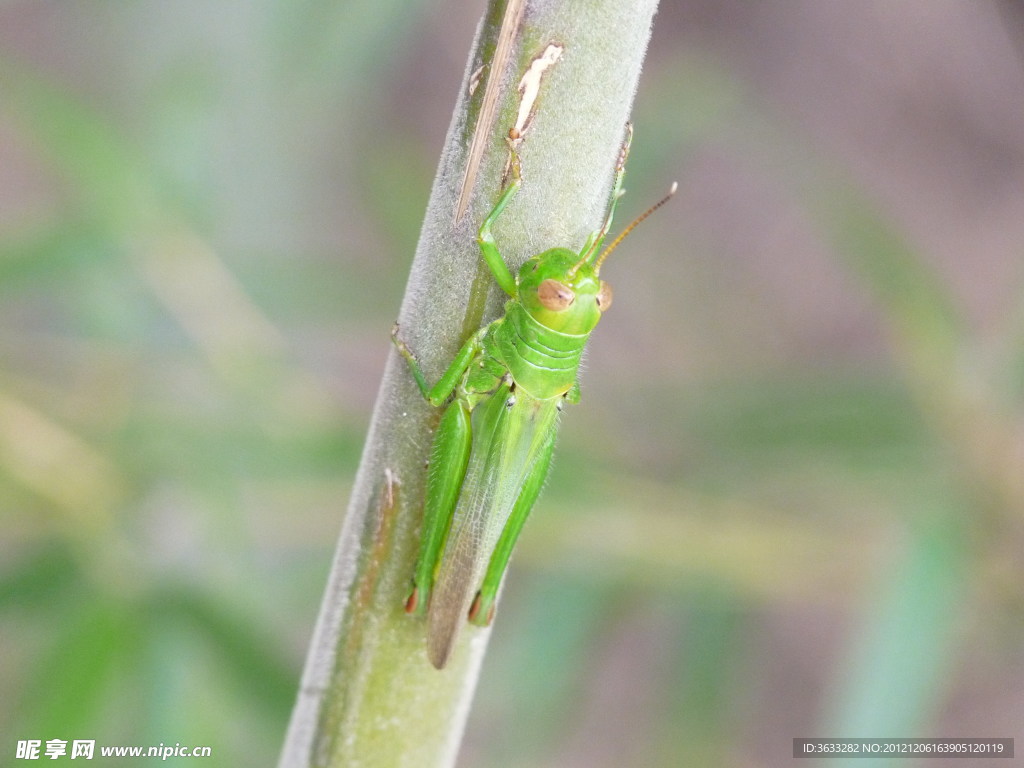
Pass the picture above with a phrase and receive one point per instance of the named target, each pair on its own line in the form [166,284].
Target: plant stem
[369,697]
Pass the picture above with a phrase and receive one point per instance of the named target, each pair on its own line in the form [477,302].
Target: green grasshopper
[502,396]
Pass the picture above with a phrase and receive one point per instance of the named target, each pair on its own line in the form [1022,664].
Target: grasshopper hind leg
[481,612]
[448,459]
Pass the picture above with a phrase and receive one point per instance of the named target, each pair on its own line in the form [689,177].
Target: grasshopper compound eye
[604,296]
[555,296]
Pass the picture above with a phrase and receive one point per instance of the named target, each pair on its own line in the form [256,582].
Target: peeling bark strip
[377,546]
[529,89]
[509,27]
[377,541]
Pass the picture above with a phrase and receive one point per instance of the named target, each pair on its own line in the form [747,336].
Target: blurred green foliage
[754,530]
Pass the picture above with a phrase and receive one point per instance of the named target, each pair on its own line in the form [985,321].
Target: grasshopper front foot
[401,346]
[410,358]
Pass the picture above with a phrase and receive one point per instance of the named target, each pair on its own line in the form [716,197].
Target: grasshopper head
[562,290]
[562,293]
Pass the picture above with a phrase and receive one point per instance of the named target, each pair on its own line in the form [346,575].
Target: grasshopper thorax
[562,293]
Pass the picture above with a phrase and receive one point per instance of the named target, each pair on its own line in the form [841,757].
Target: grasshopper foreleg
[485,238]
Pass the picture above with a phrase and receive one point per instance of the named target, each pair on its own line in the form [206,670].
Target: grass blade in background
[906,645]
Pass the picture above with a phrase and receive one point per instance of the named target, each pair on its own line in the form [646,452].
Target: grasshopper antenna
[622,235]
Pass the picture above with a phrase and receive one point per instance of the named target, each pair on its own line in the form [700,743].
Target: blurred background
[789,505]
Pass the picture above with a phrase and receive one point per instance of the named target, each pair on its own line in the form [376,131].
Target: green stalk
[369,697]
